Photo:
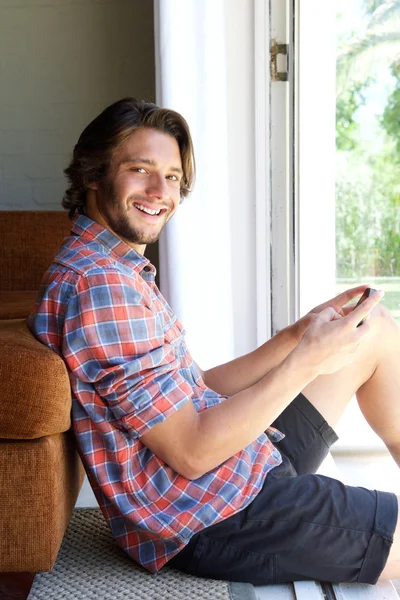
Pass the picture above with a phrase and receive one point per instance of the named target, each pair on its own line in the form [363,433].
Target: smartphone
[365,295]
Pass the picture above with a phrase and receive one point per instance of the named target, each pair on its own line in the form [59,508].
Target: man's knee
[382,315]
[383,335]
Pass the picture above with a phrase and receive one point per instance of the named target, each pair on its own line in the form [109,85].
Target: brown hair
[108,131]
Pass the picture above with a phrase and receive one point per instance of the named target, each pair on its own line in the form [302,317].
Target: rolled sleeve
[113,340]
[174,393]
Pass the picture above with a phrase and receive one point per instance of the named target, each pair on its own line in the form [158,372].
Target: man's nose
[157,186]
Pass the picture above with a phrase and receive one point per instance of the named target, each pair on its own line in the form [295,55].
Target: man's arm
[194,443]
[243,372]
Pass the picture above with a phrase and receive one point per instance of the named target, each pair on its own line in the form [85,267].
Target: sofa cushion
[35,393]
[16,305]
[30,239]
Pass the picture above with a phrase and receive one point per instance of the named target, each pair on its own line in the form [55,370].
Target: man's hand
[331,339]
[338,304]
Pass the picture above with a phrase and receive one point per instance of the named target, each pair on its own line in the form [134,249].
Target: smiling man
[210,472]
[142,188]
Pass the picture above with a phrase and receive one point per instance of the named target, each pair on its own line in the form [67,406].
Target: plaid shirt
[99,308]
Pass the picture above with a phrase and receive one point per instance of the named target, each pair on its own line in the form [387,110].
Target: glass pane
[367,163]
[368,147]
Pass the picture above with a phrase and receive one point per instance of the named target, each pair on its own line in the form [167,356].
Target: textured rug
[90,565]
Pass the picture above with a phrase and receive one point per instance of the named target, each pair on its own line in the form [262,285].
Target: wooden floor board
[308,590]
[311,590]
[275,592]
[384,590]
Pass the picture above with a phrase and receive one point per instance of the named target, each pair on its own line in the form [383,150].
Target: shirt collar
[89,229]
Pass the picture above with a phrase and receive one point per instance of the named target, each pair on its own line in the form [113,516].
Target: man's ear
[93,185]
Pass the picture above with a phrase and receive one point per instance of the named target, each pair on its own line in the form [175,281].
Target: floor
[86,498]
[374,470]
[361,457]
[311,590]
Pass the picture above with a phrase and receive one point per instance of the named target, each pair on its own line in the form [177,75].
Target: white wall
[61,63]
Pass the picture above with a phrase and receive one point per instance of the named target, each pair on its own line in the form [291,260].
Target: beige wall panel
[61,63]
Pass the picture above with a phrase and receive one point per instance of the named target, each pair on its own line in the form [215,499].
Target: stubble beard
[119,222]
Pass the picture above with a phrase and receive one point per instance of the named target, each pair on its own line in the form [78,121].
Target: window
[368,154]
[339,207]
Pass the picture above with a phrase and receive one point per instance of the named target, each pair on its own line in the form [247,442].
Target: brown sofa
[40,471]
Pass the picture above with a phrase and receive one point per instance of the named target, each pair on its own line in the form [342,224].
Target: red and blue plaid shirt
[99,308]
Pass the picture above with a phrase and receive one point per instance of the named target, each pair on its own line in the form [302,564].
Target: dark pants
[301,525]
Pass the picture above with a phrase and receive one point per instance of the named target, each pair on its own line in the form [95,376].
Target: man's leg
[300,525]
[374,377]
[310,526]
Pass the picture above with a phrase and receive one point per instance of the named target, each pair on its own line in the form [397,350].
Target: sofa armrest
[35,392]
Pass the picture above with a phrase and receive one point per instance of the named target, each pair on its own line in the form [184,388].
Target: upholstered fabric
[35,394]
[16,304]
[39,483]
[29,240]
[40,470]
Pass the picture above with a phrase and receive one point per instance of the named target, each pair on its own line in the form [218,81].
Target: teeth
[148,210]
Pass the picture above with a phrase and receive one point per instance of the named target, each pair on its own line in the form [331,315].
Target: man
[211,472]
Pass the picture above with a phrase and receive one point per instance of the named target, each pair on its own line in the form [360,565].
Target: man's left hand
[338,303]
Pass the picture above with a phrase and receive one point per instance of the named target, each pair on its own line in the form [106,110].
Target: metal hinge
[275,51]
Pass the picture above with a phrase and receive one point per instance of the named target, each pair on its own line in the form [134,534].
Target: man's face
[142,188]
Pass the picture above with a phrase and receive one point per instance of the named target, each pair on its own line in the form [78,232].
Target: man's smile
[149,213]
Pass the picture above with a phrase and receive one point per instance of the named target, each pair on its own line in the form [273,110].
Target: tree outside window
[368,147]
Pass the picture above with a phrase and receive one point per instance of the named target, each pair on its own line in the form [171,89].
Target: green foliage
[368,213]
[390,120]
[371,5]
[370,48]
[347,103]
[368,181]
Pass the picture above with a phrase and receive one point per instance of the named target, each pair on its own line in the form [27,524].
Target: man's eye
[138,169]
[173,177]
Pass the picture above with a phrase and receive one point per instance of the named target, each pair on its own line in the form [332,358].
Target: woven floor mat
[90,565]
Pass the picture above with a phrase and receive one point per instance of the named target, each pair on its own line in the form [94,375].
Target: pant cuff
[381,539]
